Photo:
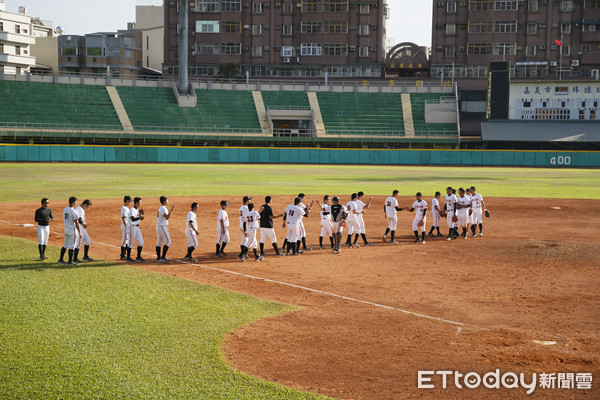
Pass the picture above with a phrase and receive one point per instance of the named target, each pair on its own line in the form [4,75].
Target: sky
[410,20]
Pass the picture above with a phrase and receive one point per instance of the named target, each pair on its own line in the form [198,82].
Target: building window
[481,5]
[505,26]
[505,5]
[18,50]
[476,49]
[311,5]
[311,27]
[363,30]
[450,51]
[565,27]
[288,30]
[234,49]
[531,50]
[481,26]
[532,28]
[335,49]
[566,6]
[288,8]
[585,49]
[257,7]
[69,51]
[565,50]
[451,7]
[17,29]
[1,26]
[207,5]
[335,27]
[231,27]
[450,29]
[363,51]
[207,26]
[335,5]
[94,51]
[311,49]
[365,9]
[231,5]
[257,29]
[533,5]
[587,27]
[508,48]
[586,4]
[207,48]
[257,51]
[1,48]
[288,51]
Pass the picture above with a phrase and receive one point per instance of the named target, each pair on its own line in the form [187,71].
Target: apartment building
[16,38]
[280,38]
[551,39]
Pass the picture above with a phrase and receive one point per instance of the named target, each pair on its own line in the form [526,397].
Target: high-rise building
[540,38]
[16,38]
[283,38]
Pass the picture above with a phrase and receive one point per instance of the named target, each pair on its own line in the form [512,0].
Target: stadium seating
[417,102]
[47,103]
[285,99]
[376,112]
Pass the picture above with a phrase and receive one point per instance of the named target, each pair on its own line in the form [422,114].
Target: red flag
[558,42]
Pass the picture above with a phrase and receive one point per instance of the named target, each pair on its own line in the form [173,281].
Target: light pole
[560,45]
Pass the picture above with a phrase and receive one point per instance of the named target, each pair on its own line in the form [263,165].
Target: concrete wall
[45,51]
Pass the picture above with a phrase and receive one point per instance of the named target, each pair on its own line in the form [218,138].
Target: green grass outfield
[22,182]
[102,331]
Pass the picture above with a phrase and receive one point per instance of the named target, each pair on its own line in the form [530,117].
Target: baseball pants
[292,232]
[449,221]
[162,236]
[301,231]
[136,235]
[417,219]
[124,235]
[222,237]
[477,216]
[463,218]
[251,239]
[361,224]
[268,233]
[392,222]
[337,227]
[191,238]
[326,227]
[243,236]
[436,219]
[71,238]
[352,226]
[84,238]
[43,234]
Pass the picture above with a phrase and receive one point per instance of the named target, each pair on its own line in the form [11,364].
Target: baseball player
[222,229]
[72,232]
[463,205]
[470,217]
[136,214]
[420,208]
[478,209]
[125,226]
[450,209]
[338,218]
[266,227]
[162,229]
[302,231]
[436,211]
[43,217]
[326,227]
[361,208]
[352,220]
[252,225]
[243,211]
[85,237]
[390,209]
[291,218]
[191,232]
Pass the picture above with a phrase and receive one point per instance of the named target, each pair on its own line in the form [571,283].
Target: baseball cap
[247,198]
[223,202]
[335,198]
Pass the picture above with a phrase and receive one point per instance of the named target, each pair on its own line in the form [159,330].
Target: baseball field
[522,299]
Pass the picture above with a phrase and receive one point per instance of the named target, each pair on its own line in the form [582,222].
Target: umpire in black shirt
[43,217]
[266,227]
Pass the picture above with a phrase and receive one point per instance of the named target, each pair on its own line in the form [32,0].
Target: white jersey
[465,202]
[450,200]
[70,216]
[293,213]
[81,213]
[252,219]
[222,217]
[161,220]
[243,212]
[134,213]
[326,209]
[390,206]
[435,203]
[477,200]
[191,217]
[359,206]
[419,207]
[125,214]
[303,208]
[351,207]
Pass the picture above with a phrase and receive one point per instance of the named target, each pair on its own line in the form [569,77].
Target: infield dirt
[533,276]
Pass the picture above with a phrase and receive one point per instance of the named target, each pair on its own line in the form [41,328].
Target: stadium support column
[183,86]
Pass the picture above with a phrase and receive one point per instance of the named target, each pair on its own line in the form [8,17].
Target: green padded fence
[58,153]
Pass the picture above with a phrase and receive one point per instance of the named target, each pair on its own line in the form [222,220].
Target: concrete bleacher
[45,103]
[417,101]
[365,112]
[285,99]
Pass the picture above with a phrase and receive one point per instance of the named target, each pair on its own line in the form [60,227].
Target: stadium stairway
[261,112]
[409,126]
[119,108]
[314,104]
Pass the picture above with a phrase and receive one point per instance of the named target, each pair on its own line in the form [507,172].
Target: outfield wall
[65,153]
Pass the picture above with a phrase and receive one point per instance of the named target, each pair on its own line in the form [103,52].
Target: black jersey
[265,220]
[43,216]
[338,213]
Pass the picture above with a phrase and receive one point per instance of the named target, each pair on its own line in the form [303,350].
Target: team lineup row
[464,211]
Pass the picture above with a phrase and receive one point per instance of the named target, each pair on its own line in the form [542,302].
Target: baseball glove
[442,213]
[141,211]
[470,211]
[421,223]
[487,214]
[455,218]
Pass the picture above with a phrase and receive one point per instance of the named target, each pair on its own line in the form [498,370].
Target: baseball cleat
[76,260]
[41,258]
[384,238]
[246,256]
[422,242]
[259,258]
[307,249]
[368,244]
[321,248]
[72,263]
[241,258]
[129,259]
[279,254]
[45,257]
[139,259]
[87,259]
[355,245]
[481,234]
[393,241]
[263,255]
[187,258]
[448,238]
[123,257]
[430,234]
[440,235]
[348,245]
[159,259]
[417,240]
[165,259]
[218,255]
[222,253]
[473,235]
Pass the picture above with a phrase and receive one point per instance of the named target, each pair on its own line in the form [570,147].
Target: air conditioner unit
[192,8]
[461,49]
[298,5]
[596,74]
[277,5]
[277,27]
[542,25]
[352,48]
[267,48]
[246,26]
[373,26]
[267,5]
[463,4]
[542,47]
[575,63]
[245,5]
[266,27]
[373,48]
[553,63]
[193,53]
[245,48]
[171,4]
[441,4]
[286,60]
[553,47]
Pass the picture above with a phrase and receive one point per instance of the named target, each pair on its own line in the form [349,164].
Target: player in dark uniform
[43,216]
[338,220]
[266,227]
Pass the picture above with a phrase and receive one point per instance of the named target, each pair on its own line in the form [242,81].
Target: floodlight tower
[183,86]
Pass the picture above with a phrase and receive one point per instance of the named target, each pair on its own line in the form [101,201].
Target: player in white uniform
[125,226]
[463,204]
[420,209]
[326,227]
[163,238]
[478,210]
[338,218]
[242,214]
[450,208]
[390,209]
[72,232]
[252,225]
[291,220]
[85,237]
[136,214]
[222,229]
[301,230]
[470,217]
[435,212]
[352,220]
[361,208]
[191,231]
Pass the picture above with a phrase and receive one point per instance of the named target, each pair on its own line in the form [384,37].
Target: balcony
[17,60]
[16,38]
